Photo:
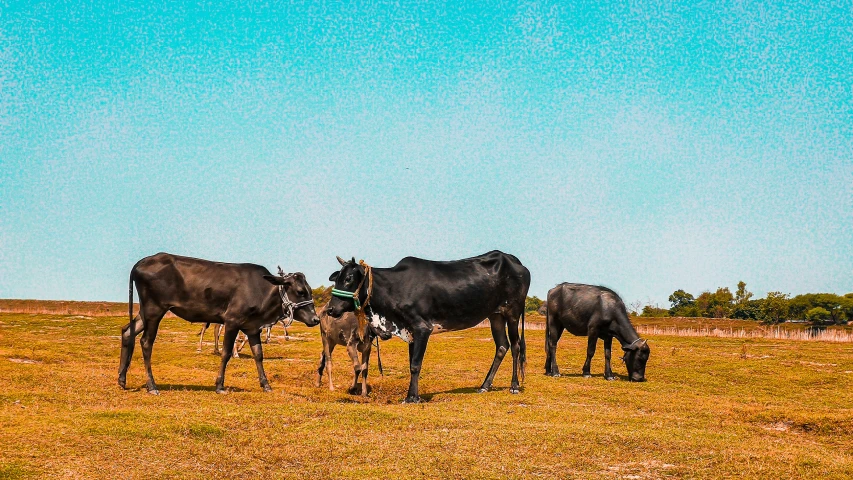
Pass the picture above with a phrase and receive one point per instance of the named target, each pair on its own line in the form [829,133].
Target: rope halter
[629,346]
[288,306]
[359,307]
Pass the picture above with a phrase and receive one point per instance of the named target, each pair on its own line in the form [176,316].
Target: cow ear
[277,280]
[334,276]
[353,260]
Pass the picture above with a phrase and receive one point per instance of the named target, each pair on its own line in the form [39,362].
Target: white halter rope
[288,306]
[629,346]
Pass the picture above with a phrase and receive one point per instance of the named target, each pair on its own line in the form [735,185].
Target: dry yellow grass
[713,408]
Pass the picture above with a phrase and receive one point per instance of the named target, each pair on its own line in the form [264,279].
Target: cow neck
[377,298]
[626,334]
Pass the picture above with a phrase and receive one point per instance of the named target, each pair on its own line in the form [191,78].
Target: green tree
[682,303]
[722,302]
[839,308]
[718,304]
[749,310]
[817,315]
[742,295]
[532,304]
[774,308]
[321,295]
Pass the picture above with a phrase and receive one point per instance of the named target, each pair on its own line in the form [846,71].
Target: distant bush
[650,311]
[532,304]
[749,310]
[818,315]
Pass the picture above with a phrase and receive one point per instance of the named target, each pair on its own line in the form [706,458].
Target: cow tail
[522,349]
[379,357]
[130,299]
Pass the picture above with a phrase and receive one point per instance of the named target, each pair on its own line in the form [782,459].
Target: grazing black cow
[594,312]
[417,297]
[244,297]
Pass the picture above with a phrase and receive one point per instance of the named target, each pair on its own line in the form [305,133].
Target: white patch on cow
[386,326]
[438,328]
[404,334]
[376,321]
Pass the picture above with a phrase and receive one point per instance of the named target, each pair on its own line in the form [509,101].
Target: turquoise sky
[647,147]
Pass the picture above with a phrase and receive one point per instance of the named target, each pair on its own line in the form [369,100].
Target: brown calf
[343,331]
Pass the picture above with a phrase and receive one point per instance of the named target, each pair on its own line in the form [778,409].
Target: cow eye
[349,278]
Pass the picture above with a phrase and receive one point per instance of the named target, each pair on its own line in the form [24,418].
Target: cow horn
[644,343]
[280,271]
[341,261]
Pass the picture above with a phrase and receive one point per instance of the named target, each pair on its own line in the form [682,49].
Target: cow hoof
[555,375]
[514,390]
[154,391]
[586,375]
[267,388]
[122,384]
[354,390]
[610,378]
[412,400]
[483,390]
[221,390]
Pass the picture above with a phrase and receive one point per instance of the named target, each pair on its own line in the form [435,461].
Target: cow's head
[636,356]
[297,297]
[347,279]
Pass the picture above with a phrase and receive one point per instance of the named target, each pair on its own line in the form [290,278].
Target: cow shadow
[462,391]
[599,376]
[165,387]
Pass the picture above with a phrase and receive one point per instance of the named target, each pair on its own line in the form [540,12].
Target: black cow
[416,297]
[244,297]
[594,312]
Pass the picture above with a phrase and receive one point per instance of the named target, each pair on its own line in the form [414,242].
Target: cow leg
[501,346]
[417,349]
[590,351]
[322,365]
[151,318]
[243,339]
[217,331]
[608,373]
[329,351]
[258,353]
[352,351]
[201,336]
[552,336]
[365,364]
[515,348]
[227,351]
[128,341]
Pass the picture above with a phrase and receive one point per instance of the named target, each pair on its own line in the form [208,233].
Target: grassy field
[712,408]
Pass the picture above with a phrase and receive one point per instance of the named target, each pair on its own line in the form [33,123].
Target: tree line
[775,307]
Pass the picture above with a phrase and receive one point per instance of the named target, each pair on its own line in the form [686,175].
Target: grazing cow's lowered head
[296,297]
[636,356]
[348,279]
